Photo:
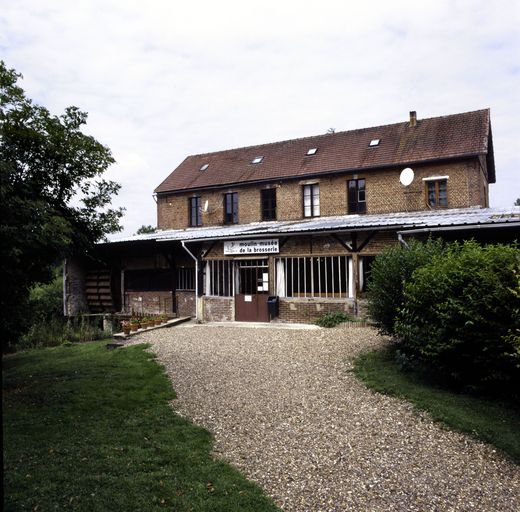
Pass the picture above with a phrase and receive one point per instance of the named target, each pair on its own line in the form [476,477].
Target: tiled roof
[400,144]
[461,217]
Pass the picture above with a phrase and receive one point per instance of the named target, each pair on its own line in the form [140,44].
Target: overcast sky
[165,79]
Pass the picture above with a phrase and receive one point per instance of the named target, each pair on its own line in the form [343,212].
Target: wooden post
[355,278]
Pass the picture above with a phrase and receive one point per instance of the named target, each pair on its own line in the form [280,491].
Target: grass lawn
[90,429]
[491,421]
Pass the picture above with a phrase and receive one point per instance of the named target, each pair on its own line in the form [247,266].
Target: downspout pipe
[64,291]
[402,240]
[196,279]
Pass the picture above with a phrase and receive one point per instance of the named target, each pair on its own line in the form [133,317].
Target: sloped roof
[461,217]
[432,139]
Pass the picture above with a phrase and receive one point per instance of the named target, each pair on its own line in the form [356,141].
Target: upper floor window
[436,193]
[231,208]
[268,200]
[357,202]
[311,200]
[194,211]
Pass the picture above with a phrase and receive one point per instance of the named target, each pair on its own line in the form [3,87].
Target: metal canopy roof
[404,221]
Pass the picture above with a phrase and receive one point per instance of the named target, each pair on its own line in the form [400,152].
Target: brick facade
[74,287]
[435,148]
[185,303]
[312,245]
[148,303]
[309,310]
[467,186]
[218,309]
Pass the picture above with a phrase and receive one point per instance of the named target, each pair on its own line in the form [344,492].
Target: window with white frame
[219,278]
[436,193]
[311,200]
[314,276]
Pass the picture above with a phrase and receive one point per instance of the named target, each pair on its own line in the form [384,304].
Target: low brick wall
[185,303]
[219,309]
[308,310]
[151,303]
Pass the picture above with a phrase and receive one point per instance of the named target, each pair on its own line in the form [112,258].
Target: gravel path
[286,411]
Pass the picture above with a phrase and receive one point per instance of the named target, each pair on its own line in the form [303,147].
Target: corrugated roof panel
[403,220]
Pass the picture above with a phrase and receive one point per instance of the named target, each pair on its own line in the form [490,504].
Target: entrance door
[252,291]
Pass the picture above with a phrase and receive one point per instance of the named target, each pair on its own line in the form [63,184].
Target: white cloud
[162,80]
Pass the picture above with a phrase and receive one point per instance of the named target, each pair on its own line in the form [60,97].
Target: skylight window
[257,160]
[204,167]
[312,151]
[374,142]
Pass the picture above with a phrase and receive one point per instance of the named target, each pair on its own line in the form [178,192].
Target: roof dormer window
[257,159]
[374,142]
[204,167]
[312,151]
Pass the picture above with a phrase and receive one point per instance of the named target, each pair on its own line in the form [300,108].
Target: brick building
[300,220]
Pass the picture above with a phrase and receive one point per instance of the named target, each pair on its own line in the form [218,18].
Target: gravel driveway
[286,411]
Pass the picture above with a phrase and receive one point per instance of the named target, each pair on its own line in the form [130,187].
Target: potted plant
[126,328]
[134,324]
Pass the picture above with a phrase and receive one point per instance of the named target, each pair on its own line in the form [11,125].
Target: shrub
[388,273]
[45,324]
[46,300]
[333,319]
[460,315]
[57,331]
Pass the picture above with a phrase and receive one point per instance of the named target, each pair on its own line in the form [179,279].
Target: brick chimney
[413,118]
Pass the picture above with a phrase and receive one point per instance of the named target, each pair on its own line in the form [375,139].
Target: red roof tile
[431,139]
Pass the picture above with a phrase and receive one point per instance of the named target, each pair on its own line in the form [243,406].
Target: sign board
[251,247]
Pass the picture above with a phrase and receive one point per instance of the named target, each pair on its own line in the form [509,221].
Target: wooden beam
[344,244]
[208,250]
[354,242]
[367,240]
[283,241]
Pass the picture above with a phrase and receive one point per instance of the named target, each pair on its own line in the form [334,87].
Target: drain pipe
[196,279]
[402,240]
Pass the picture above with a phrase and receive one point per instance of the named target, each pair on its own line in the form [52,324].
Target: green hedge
[460,315]
[388,273]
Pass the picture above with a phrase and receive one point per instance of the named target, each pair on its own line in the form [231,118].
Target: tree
[53,200]
[517,202]
[143,230]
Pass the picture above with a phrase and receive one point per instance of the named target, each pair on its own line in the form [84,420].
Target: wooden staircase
[99,291]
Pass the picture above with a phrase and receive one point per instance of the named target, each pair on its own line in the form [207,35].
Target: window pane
[195,216]
[231,208]
[316,200]
[442,194]
[431,193]
[307,201]
[268,198]
[356,196]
